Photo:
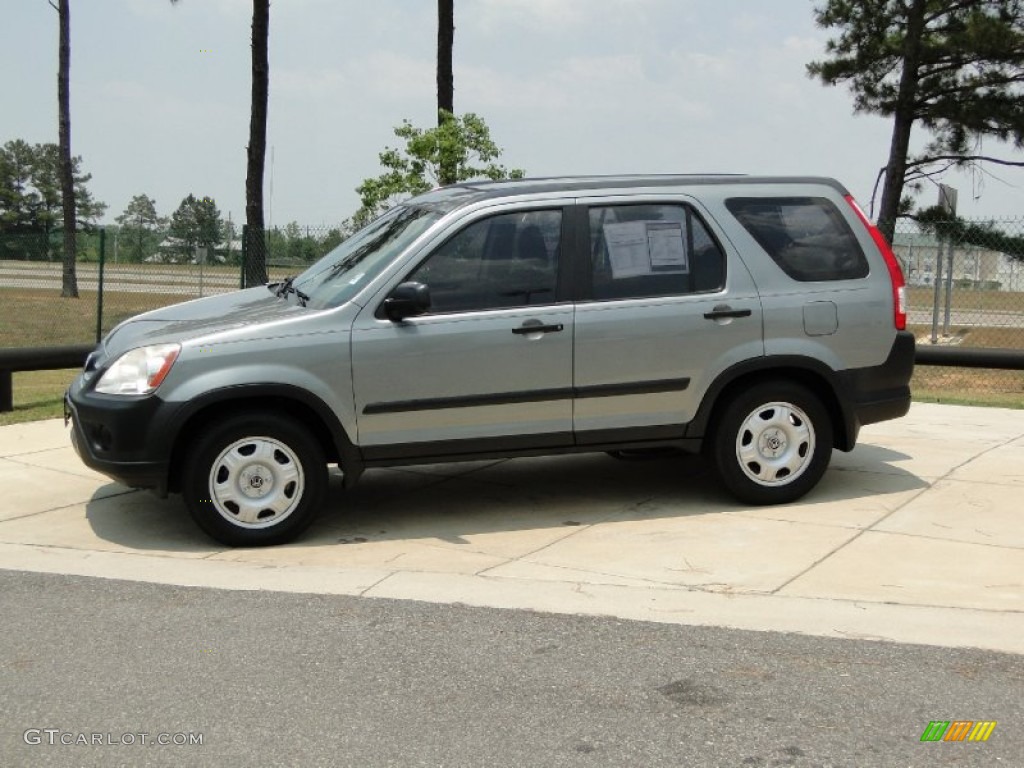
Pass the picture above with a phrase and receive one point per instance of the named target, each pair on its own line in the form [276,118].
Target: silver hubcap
[256,482]
[775,444]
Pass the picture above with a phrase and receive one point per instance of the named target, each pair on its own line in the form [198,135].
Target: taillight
[899,284]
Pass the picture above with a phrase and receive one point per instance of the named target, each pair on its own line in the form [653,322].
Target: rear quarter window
[806,236]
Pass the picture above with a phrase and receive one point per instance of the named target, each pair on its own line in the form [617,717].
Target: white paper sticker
[644,247]
[627,249]
[665,241]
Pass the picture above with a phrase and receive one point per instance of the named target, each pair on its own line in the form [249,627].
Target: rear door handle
[525,329]
[724,310]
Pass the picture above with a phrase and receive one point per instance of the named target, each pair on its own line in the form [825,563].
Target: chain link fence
[965,286]
[120,274]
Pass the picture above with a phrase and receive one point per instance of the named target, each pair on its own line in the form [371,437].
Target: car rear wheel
[772,443]
[254,480]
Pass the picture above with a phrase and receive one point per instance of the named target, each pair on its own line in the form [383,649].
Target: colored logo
[958,730]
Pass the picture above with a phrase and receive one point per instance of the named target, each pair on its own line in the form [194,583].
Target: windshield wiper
[285,287]
[343,265]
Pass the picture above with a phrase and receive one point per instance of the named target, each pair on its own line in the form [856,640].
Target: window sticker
[665,243]
[645,247]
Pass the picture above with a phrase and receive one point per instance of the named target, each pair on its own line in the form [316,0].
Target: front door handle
[724,310]
[537,328]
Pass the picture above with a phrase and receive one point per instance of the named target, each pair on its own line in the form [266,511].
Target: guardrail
[36,359]
[55,358]
[973,357]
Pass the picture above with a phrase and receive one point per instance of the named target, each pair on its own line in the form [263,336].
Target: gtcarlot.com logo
[57,737]
[958,730]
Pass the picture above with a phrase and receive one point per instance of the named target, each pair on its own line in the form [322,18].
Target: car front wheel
[254,480]
[772,443]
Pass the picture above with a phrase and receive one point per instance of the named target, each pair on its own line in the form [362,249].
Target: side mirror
[407,300]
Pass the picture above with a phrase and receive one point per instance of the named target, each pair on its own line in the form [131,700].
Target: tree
[256,150]
[19,201]
[231,254]
[256,269]
[962,232]
[30,190]
[954,66]
[417,168]
[69,282]
[445,80]
[196,224]
[47,179]
[140,228]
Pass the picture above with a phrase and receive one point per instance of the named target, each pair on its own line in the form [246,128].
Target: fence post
[201,258]
[949,286]
[6,391]
[938,290]
[99,286]
[245,251]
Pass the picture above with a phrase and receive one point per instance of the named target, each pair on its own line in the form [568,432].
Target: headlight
[139,371]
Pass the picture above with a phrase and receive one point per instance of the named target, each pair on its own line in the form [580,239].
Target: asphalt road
[185,280]
[286,679]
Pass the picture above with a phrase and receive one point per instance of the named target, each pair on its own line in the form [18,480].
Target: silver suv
[761,320]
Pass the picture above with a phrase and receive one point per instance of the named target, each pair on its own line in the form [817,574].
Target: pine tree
[954,67]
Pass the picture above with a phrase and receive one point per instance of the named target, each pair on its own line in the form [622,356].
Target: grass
[919,297]
[38,395]
[961,386]
[34,317]
[972,337]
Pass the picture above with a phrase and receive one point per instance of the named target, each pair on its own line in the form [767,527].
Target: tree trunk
[903,121]
[895,175]
[448,172]
[69,282]
[256,269]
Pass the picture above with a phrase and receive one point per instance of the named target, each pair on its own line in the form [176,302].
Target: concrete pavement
[916,536]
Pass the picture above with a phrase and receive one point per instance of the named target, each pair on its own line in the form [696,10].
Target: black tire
[248,460]
[771,443]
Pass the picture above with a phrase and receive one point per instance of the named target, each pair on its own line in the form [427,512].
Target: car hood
[214,317]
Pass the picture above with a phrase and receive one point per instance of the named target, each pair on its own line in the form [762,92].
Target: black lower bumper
[881,392]
[118,437]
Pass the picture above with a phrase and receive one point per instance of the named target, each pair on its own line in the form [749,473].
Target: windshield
[341,273]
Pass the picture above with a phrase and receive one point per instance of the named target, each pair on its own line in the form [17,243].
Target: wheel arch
[294,402]
[813,374]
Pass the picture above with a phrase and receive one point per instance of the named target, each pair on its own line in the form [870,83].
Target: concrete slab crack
[886,516]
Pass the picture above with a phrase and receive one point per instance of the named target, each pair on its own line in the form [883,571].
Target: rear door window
[640,251]
[806,236]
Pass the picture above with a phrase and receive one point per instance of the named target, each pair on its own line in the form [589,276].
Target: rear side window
[806,236]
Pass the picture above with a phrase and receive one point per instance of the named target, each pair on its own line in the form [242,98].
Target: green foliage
[295,245]
[956,68]
[30,196]
[981,234]
[230,250]
[196,224]
[140,229]
[965,63]
[460,143]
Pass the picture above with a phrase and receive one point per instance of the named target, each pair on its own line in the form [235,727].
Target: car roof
[466,192]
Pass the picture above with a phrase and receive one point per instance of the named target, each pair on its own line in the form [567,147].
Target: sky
[160,95]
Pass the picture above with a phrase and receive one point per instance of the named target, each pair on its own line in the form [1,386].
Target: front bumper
[122,438]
